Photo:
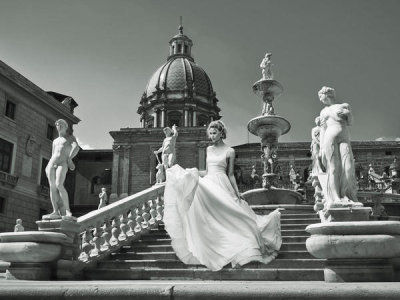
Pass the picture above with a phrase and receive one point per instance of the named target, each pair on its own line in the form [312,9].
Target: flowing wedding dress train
[209,225]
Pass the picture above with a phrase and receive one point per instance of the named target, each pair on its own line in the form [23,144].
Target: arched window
[95,181]
[150,123]
[174,117]
[202,120]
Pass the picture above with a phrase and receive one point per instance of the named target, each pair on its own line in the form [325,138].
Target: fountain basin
[31,246]
[268,126]
[267,86]
[272,196]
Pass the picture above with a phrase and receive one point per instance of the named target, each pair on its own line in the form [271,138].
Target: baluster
[124,227]
[86,246]
[131,223]
[97,233]
[160,208]
[106,236]
[153,213]
[145,215]
[115,231]
[139,220]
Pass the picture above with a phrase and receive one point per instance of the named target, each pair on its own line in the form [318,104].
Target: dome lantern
[180,44]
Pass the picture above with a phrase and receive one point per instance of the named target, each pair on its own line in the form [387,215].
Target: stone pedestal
[32,255]
[345,214]
[66,264]
[356,251]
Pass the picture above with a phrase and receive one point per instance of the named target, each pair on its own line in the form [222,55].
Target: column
[155,119]
[163,117]
[194,119]
[125,172]
[212,118]
[186,113]
[115,173]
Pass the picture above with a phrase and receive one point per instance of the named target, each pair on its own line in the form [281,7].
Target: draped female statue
[335,151]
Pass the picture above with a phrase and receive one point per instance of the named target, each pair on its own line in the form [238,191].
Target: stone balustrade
[109,228]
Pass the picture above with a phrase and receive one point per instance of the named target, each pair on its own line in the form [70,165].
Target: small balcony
[8,179]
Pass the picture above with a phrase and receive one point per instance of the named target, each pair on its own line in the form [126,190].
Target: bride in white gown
[206,217]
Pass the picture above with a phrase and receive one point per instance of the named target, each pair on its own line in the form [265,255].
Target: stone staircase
[152,257]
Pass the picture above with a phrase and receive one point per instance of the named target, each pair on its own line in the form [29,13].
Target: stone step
[283,227]
[137,247]
[205,274]
[171,255]
[151,240]
[177,264]
[300,221]
[160,234]
[299,216]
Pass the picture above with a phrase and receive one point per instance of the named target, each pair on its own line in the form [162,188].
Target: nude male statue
[167,149]
[65,147]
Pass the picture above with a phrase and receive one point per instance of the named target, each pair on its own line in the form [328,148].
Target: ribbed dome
[179,92]
[180,74]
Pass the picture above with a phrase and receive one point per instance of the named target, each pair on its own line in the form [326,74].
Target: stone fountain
[269,127]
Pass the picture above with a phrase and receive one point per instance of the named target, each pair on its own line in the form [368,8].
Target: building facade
[27,116]
[179,92]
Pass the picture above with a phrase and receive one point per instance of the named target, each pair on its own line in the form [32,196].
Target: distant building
[297,154]
[93,171]
[27,116]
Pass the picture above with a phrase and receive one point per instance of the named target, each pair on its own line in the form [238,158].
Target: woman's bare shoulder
[230,151]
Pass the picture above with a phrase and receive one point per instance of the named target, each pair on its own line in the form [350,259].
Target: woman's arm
[231,176]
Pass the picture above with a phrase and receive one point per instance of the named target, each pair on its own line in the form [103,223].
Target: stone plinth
[356,251]
[66,265]
[32,254]
[345,214]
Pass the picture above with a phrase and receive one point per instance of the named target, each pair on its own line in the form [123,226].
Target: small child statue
[103,198]
[160,175]
[18,226]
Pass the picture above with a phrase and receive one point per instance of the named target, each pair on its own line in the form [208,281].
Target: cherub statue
[265,66]
[160,175]
[168,155]
[103,198]
[18,226]
[65,148]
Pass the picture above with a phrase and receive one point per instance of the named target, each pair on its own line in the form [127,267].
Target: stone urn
[31,253]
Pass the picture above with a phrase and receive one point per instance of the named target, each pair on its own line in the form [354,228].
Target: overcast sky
[102,53]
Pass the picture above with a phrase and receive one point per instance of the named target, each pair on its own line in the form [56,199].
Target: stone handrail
[107,229]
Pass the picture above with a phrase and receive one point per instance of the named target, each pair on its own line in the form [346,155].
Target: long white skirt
[209,225]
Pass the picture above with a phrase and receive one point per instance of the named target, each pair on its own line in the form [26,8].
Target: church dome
[179,91]
[178,74]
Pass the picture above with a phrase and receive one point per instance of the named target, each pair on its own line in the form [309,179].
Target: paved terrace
[143,290]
